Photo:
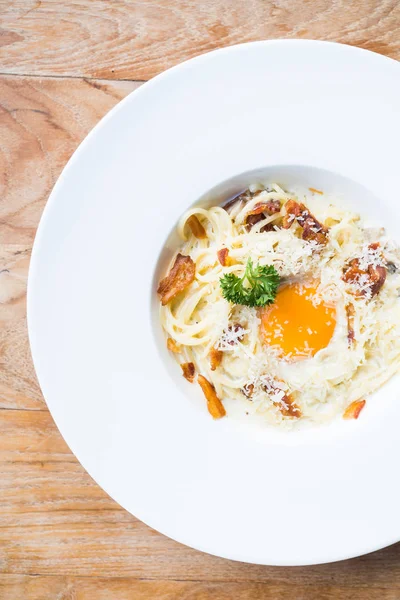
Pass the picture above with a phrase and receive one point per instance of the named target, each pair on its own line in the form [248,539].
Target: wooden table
[63,66]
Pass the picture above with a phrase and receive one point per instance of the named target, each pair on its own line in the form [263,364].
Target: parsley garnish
[260,289]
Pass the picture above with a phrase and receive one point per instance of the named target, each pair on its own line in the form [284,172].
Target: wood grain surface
[63,65]
[136,39]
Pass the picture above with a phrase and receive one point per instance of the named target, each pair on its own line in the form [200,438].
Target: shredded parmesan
[370,257]
[254,378]
[230,337]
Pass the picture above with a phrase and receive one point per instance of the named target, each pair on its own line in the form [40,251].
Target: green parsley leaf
[257,287]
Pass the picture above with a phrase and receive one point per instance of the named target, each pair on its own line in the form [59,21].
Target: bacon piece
[350,324]
[215,358]
[188,371]
[243,197]
[375,276]
[214,404]
[378,278]
[312,228]
[354,409]
[288,407]
[352,274]
[256,215]
[278,396]
[224,258]
[180,276]
[268,227]
[293,212]
[231,203]
[248,390]
[258,211]
[286,404]
[196,227]
[251,220]
[283,401]
[270,207]
[237,329]
[173,346]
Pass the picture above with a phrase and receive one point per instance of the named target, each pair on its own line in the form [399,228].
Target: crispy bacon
[354,409]
[214,404]
[224,258]
[239,198]
[350,324]
[173,346]
[180,276]
[312,228]
[352,273]
[236,328]
[248,390]
[270,207]
[196,227]
[188,371]
[215,358]
[283,401]
[251,220]
[269,226]
[375,276]
[293,212]
[279,398]
[257,213]
[378,278]
[288,407]
[243,197]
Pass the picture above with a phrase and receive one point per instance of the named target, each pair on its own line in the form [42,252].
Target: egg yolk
[298,323]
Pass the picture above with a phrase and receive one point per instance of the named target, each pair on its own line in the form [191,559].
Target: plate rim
[43,224]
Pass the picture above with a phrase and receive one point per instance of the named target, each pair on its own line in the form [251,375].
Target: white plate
[143,433]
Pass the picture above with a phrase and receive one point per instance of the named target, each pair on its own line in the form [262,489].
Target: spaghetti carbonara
[328,339]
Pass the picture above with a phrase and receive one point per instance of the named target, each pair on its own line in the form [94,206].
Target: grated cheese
[230,337]
[338,374]
[370,257]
